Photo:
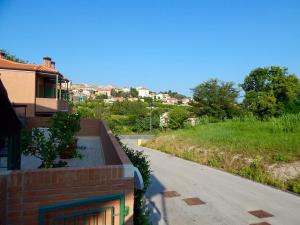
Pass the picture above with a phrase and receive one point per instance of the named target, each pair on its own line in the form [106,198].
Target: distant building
[185,101]
[163,97]
[143,92]
[125,89]
[104,91]
[172,101]
[113,99]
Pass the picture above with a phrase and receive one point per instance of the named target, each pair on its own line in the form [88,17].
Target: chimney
[2,55]
[47,61]
[52,64]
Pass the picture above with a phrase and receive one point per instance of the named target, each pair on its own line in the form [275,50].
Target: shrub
[294,185]
[177,117]
[140,161]
[42,147]
[49,146]
[63,126]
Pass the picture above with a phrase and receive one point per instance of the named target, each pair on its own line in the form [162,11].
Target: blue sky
[161,44]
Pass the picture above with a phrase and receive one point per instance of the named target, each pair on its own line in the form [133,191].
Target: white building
[125,89]
[143,92]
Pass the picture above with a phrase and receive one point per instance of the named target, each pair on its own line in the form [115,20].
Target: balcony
[50,105]
[97,188]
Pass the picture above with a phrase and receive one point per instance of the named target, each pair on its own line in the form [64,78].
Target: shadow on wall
[156,188]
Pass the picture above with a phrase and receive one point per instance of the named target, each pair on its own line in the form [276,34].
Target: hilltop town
[111,94]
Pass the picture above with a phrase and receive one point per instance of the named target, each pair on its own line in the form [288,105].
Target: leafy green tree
[262,104]
[134,93]
[177,117]
[269,90]
[136,108]
[215,98]
[293,106]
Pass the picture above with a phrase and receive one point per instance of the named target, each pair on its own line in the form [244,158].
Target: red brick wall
[89,127]
[32,122]
[29,190]
[113,152]
[2,199]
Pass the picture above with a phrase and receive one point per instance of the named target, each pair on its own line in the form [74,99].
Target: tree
[177,117]
[269,90]
[174,94]
[215,98]
[134,93]
[115,93]
[262,104]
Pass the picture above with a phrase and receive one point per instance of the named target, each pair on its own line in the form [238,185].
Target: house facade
[35,89]
[143,92]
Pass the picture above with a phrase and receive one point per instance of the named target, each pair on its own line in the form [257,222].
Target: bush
[48,146]
[63,126]
[140,161]
[42,147]
[177,117]
[294,185]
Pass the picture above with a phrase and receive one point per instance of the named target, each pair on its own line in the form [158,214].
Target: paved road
[228,198]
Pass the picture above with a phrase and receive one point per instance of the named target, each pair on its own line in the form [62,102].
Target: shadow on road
[156,215]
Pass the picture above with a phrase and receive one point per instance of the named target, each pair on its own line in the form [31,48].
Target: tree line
[268,92]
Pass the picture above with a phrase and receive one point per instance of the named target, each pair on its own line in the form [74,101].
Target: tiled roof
[8,64]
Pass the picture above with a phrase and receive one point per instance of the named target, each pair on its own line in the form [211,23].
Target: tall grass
[287,123]
[244,146]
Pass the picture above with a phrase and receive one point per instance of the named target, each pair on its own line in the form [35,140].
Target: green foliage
[63,127]
[256,171]
[294,185]
[177,117]
[134,93]
[174,94]
[246,135]
[120,123]
[216,99]
[136,108]
[46,149]
[287,122]
[269,91]
[261,104]
[12,57]
[294,105]
[140,161]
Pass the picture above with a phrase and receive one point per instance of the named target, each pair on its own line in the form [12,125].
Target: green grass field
[242,146]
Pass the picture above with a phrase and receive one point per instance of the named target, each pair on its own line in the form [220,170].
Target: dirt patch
[285,171]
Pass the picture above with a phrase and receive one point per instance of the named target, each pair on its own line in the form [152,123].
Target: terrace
[99,187]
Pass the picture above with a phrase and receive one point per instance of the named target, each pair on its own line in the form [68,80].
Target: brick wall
[113,152]
[2,199]
[29,190]
[89,127]
[36,122]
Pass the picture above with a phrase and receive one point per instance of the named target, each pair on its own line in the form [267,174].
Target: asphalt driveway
[186,193]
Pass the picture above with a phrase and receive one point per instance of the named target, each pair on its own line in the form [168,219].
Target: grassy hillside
[247,147]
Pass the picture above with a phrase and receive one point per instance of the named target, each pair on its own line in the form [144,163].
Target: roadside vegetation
[129,117]
[258,138]
[139,160]
[256,135]
[255,149]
